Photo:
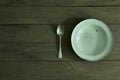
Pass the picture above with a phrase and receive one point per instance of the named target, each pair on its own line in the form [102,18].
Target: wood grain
[56,15]
[60,70]
[59,3]
[28,33]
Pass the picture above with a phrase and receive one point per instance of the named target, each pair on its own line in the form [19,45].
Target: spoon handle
[60,50]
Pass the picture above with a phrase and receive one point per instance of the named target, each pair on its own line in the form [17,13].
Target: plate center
[91,40]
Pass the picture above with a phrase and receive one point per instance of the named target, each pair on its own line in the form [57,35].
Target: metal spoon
[60,33]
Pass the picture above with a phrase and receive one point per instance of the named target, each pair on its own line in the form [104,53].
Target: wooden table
[29,44]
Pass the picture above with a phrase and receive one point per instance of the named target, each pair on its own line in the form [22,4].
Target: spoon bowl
[60,30]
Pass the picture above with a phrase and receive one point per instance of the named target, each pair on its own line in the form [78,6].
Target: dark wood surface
[29,44]
[74,70]
[56,15]
[54,3]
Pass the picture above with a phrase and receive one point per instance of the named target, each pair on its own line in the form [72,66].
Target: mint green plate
[92,40]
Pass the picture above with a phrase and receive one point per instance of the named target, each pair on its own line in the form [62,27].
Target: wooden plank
[34,33]
[45,52]
[60,70]
[28,33]
[59,3]
[56,15]
[34,52]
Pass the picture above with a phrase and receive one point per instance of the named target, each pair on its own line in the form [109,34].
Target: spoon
[60,33]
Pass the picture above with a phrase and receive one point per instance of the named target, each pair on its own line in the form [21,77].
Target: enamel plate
[92,40]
